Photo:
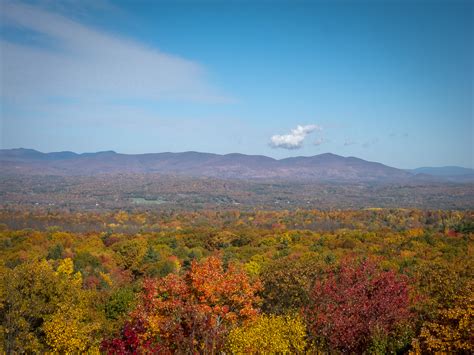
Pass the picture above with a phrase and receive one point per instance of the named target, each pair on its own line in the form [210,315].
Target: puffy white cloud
[293,140]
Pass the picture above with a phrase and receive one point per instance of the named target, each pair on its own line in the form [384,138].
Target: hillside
[323,167]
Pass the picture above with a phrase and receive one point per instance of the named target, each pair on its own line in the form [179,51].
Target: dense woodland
[361,281]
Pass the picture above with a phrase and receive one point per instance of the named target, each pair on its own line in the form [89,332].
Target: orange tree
[189,313]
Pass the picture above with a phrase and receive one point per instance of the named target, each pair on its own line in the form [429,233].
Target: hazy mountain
[323,167]
[444,171]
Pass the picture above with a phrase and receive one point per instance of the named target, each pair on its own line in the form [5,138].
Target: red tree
[354,303]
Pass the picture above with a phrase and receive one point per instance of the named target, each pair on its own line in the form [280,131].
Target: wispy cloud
[85,63]
[293,140]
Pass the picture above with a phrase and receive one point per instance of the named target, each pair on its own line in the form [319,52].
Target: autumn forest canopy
[358,281]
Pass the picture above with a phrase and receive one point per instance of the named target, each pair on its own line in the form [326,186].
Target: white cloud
[293,140]
[349,142]
[85,63]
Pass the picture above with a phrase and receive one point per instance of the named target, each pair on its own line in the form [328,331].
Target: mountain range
[322,167]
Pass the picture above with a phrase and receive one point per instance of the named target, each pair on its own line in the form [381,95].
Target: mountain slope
[323,167]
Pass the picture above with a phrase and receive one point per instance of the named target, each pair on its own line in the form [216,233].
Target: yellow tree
[70,327]
[269,335]
[44,309]
[452,332]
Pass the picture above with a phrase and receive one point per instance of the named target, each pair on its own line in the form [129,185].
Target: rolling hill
[323,167]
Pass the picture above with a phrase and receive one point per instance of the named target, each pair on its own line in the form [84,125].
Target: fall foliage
[189,313]
[361,281]
[355,303]
[270,335]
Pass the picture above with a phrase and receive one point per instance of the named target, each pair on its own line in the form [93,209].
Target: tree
[287,281]
[119,303]
[189,313]
[44,309]
[452,331]
[130,254]
[269,335]
[356,303]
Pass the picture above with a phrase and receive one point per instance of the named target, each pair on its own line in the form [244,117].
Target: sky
[384,80]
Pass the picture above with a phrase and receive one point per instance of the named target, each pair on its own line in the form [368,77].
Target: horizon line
[233,153]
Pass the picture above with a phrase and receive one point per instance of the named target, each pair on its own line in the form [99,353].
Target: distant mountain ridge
[322,167]
[443,171]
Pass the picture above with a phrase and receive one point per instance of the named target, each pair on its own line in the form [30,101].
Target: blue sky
[388,81]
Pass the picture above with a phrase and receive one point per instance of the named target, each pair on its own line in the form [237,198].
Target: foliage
[355,303]
[452,332]
[189,313]
[130,253]
[286,282]
[119,303]
[269,335]
[45,309]
[149,280]
[56,252]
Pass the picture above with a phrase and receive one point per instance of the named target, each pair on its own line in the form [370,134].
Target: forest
[372,281]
